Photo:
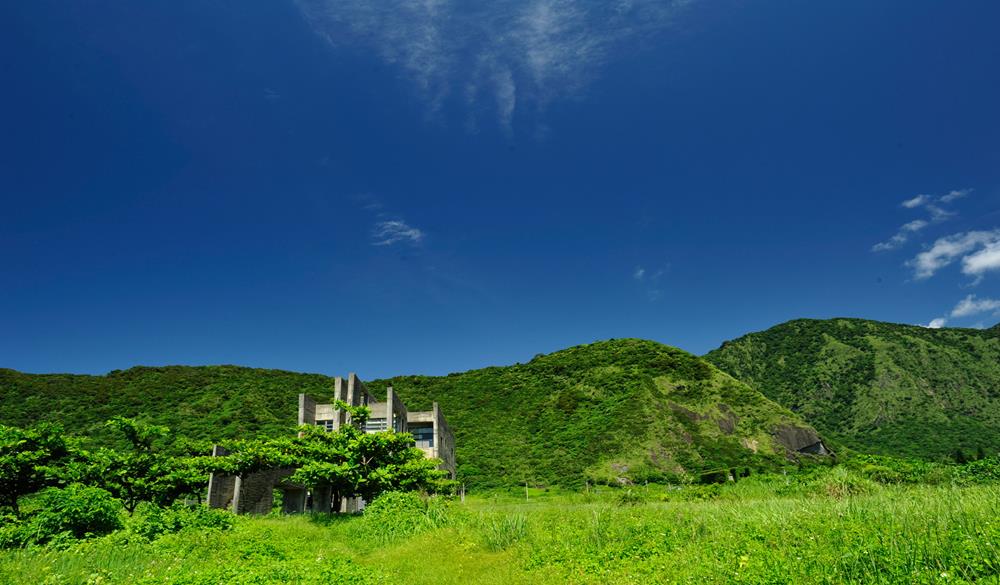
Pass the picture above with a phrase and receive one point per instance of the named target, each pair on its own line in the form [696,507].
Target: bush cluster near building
[55,492]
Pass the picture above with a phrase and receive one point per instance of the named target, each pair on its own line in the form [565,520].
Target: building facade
[254,494]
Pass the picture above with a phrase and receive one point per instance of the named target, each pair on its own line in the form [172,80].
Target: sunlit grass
[887,535]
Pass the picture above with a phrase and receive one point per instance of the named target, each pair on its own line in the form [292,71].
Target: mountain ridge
[612,411]
[878,387]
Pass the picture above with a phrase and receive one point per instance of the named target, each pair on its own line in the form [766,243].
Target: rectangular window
[375,425]
[326,424]
[423,435]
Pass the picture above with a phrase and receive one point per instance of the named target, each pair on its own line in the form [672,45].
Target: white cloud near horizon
[387,233]
[971,305]
[978,250]
[501,55]
[937,323]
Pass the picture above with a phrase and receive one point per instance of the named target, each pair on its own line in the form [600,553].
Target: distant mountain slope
[879,387]
[621,408]
[627,409]
[207,402]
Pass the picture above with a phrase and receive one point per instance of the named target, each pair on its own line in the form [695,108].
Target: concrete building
[254,494]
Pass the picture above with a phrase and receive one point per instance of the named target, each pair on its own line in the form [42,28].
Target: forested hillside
[879,387]
[630,409]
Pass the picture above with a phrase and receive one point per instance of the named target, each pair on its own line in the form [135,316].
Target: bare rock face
[800,440]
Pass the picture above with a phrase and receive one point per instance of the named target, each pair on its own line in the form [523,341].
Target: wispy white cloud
[971,305]
[387,233]
[516,52]
[650,281]
[916,201]
[936,214]
[956,194]
[978,250]
[902,236]
[937,323]
[985,260]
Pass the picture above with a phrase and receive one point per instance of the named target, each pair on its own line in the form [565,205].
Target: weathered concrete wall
[254,493]
[307,410]
[395,416]
[221,488]
[444,440]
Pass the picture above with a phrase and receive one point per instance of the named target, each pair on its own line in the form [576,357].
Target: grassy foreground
[887,535]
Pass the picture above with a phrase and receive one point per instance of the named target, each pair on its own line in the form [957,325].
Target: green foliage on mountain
[615,411]
[207,403]
[879,387]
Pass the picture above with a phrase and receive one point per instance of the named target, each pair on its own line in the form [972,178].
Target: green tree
[349,461]
[354,463]
[143,471]
[29,460]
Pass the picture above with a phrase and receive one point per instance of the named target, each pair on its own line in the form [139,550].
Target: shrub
[151,521]
[395,515]
[842,483]
[76,511]
[11,532]
[982,471]
[629,497]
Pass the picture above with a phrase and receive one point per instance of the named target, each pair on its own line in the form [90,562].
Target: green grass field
[746,533]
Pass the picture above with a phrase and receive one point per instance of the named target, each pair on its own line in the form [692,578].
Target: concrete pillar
[237,488]
[437,429]
[307,410]
[339,393]
[322,497]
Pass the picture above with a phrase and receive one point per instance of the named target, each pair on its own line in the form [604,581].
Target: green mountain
[621,410]
[879,387]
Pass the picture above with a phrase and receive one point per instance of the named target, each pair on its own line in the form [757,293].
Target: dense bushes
[151,521]
[64,514]
[149,476]
[396,515]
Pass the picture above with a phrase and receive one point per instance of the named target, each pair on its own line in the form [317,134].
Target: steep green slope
[879,387]
[623,408]
[627,409]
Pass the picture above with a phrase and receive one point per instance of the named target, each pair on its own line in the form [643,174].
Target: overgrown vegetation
[77,494]
[621,411]
[617,462]
[879,387]
[830,525]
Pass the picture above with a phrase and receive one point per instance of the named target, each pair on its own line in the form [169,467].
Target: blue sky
[399,187]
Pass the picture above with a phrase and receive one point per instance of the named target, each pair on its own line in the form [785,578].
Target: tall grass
[501,531]
[848,534]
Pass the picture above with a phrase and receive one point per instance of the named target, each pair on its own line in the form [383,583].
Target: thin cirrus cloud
[387,233]
[936,214]
[501,55]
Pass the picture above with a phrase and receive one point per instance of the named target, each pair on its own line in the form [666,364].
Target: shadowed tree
[28,460]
